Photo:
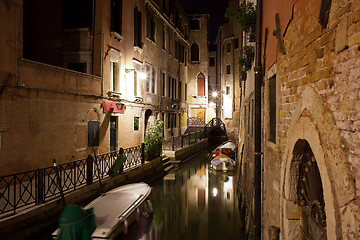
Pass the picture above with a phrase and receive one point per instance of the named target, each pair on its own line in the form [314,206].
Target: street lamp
[214,94]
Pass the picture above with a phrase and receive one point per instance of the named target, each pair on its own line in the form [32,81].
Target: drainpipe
[93,36]
[258,153]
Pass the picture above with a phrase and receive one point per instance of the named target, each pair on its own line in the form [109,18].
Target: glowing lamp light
[142,75]
[214,94]
[214,192]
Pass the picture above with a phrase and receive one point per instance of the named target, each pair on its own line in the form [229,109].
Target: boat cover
[222,161]
[76,223]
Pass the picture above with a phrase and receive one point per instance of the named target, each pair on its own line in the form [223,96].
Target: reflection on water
[194,202]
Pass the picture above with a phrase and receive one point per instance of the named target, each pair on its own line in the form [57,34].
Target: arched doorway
[147,119]
[310,196]
[314,157]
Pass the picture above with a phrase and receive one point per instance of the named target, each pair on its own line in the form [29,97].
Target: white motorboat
[115,210]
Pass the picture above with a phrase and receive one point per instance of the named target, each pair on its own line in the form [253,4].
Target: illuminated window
[114,76]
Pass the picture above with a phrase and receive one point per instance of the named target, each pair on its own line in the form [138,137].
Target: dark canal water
[192,202]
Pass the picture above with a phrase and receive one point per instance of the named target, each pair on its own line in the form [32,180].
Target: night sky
[216,9]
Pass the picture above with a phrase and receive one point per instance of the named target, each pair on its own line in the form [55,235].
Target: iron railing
[31,188]
[178,142]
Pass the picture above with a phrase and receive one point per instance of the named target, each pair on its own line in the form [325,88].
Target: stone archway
[147,120]
[313,122]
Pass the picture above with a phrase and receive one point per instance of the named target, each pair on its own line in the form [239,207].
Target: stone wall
[318,100]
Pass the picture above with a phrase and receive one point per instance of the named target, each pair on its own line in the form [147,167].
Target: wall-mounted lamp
[120,106]
[141,75]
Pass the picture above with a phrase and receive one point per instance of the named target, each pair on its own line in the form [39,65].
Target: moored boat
[223,162]
[113,211]
[227,148]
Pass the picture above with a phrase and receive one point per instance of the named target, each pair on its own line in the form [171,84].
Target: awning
[114,107]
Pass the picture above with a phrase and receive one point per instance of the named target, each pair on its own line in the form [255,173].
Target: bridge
[215,128]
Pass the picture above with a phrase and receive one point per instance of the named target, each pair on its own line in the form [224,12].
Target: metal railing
[22,190]
[178,142]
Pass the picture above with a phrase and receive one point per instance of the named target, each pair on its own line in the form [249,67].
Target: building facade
[197,93]
[229,47]
[89,76]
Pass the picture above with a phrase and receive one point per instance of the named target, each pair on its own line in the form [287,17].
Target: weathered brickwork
[312,59]
[326,60]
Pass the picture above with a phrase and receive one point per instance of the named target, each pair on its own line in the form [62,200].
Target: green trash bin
[76,223]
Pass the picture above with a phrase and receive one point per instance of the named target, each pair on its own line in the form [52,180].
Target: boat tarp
[76,223]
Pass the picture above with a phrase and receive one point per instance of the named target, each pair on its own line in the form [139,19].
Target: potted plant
[154,139]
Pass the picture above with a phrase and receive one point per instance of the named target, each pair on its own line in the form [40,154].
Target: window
[201,85]
[252,116]
[236,43]
[93,133]
[169,43]
[182,53]
[163,39]
[185,58]
[169,87]
[113,130]
[135,83]
[227,92]
[228,47]
[150,27]
[164,5]
[150,79]
[272,109]
[173,88]
[169,120]
[212,61]
[228,69]
[116,16]
[114,76]
[195,24]
[194,52]
[136,124]
[185,92]
[176,49]
[179,90]
[163,84]
[137,28]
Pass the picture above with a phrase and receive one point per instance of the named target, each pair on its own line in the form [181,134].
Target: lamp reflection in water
[214,192]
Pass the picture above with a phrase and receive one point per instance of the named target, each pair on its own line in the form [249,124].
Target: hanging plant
[246,58]
[249,52]
[245,16]
[243,74]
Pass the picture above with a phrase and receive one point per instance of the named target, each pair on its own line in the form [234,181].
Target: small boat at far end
[114,211]
[223,162]
[228,148]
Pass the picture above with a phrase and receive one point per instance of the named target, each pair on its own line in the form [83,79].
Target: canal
[192,202]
